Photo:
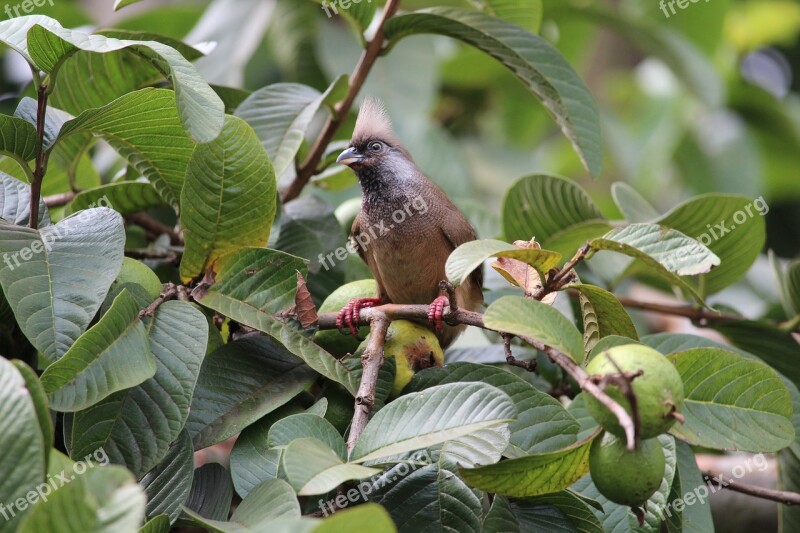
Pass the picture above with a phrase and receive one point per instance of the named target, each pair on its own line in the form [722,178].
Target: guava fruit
[623,476]
[658,391]
[134,271]
[414,347]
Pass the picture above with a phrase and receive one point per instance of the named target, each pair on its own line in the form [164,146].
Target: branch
[154,226]
[41,155]
[169,291]
[696,314]
[167,256]
[780,496]
[371,362]
[391,312]
[57,200]
[374,48]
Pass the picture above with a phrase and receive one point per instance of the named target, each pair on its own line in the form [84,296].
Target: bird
[406,229]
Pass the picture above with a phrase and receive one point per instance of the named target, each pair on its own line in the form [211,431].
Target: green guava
[623,476]
[658,391]
[134,271]
[414,347]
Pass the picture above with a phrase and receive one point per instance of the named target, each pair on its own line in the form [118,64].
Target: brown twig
[696,314]
[57,200]
[154,226]
[780,496]
[371,362]
[41,155]
[372,51]
[530,365]
[563,276]
[471,318]
[169,292]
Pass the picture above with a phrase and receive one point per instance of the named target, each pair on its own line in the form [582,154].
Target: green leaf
[788,480]
[360,14]
[529,318]
[268,501]
[603,315]
[211,492]
[435,415]
[634,207]
[666,253]
[312,467]
[228,198]
[674,251]
[427,498]
[568,240]
[542,205]
[560,511]
[793,285]
[280,115]
[309,228]
[524,13]
[533,475]
[136,426]
[18,139]
[119,4]
[39,399]
[500,517]
[112,355]
[167,485]
[775,347]
[159,524]
[22,441]
[126,197]
[252,461]
[306,425]
[729,226]
[541,423]
[102,499]
[15,202]
[373,518]
[55,278]
[539,66]
[143,126]
[471,255]
[241,382]
[695,518]
[732,403]
[253,287]
[200,109]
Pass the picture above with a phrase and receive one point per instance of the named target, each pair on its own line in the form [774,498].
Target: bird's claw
[436,312]
[350,314]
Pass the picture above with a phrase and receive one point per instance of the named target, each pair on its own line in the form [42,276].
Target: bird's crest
[373,122]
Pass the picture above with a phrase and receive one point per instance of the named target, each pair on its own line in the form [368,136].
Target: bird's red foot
[436,312]
[349,315]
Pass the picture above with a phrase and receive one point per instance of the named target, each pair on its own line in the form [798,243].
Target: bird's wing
[457,230]
[367,256]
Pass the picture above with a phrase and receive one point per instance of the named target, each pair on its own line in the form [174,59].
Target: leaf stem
[371,53]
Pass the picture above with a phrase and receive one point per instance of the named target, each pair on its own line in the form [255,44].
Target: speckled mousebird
[408,254]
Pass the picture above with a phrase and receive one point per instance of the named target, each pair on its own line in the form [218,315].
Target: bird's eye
[375,146]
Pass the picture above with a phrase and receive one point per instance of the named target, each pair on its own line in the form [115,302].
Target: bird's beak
[350,157]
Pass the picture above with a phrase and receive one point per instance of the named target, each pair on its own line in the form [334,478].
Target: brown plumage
[407,226]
